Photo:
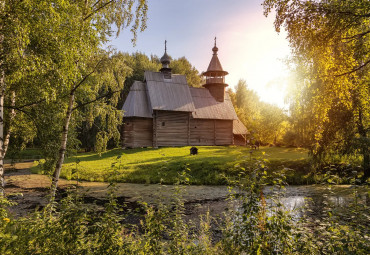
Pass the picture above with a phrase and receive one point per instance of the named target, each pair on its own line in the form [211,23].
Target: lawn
[26,154]
[149,165]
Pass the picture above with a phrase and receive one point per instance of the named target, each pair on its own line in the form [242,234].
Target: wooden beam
[155,129]
[189,128]
[214,132]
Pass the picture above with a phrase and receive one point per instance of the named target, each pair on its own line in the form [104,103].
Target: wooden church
[163,110]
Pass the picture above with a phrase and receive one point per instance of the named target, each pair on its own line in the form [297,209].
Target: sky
[249,47]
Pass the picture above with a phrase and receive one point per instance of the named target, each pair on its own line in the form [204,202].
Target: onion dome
[165,59]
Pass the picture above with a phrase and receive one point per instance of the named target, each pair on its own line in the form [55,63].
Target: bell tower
[215,77]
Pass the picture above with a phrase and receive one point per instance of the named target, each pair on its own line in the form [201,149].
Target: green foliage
[258,227]
[184,67]
[256,222]
[52,59]
[139,63]
[330,43]
[265,122]
[271,124]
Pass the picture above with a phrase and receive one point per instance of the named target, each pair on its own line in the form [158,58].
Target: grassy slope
[163,164]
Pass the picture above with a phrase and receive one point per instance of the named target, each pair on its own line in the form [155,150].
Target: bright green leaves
[183,66]
[52,48]
[265,122]
[331,56]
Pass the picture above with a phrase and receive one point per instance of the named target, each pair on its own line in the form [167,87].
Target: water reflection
[314,200]
[293,202]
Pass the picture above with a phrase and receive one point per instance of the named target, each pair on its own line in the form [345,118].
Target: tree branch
[98,9]
[96,99]
[353,70]
[23,106]
[367,15]
[84,79]
[357,35]
[29,104]
[18,108]
[96,3]
[348,13]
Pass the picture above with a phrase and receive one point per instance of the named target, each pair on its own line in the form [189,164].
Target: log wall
[171,128]
[202,132]
[224,132]
[211,132]
[137,132]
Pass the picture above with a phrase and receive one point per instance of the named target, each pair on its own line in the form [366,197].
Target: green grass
[26,154]
[164,164]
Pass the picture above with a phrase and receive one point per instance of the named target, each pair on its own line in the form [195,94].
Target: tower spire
[166,60]
[215,76]
[215,49]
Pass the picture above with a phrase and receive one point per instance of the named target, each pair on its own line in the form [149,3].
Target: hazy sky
[249,47]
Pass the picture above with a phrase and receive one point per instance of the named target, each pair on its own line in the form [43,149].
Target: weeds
[255,223]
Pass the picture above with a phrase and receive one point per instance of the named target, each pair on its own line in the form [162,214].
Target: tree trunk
[366,164]
[365,148]
[4,142]
[8,133]
[2,93]
[63,146]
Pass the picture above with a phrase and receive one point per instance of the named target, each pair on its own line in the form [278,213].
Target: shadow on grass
[199,171]
[163,165]
[93,156]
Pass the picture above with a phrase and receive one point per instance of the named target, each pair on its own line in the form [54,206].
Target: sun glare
[254,52]
[272,83]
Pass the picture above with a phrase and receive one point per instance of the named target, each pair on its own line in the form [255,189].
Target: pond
[198,199]
[318,197]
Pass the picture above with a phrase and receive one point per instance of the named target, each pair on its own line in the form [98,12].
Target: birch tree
[330,41]
[50,51]
[92,24]
[15,64]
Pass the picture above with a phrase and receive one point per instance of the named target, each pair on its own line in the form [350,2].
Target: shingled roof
[157,93]
[239,128]
[206,106]
[215,64]
[168,94]
[136,104]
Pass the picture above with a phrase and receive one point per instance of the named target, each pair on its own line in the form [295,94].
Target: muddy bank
[30,192]
[198,199]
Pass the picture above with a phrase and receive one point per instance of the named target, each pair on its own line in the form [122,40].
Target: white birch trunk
[4,139]
[63,146]
[8,133]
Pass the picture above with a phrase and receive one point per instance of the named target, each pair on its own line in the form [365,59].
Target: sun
[269,78]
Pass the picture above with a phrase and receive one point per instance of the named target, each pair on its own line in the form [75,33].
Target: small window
[163,124]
